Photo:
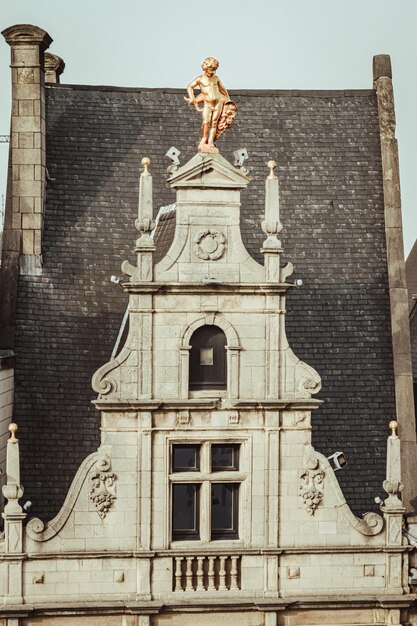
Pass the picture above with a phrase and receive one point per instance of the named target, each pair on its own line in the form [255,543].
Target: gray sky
[261,44]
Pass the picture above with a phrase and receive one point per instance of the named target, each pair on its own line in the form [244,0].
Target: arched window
[208,358]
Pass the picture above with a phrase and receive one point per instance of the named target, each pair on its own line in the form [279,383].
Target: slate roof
[327,147]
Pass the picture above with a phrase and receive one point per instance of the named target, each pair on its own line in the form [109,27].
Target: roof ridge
[237,92]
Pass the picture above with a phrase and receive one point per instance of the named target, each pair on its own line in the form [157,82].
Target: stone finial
[146,163]
[394,425]
[54,66]
[12,490]
[392,485]
[272,165]
[24,34]
[13,428]
[145,223]
[381,66]
[271,224]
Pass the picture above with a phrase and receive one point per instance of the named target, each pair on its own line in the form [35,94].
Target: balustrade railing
[206,573]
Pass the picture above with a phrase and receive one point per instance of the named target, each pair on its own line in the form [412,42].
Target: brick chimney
[26,177]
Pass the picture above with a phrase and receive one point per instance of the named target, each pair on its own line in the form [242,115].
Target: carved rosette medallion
[311,487]
[209,244]
[103,488]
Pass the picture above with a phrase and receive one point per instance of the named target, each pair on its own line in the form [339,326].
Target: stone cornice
[172,552]
[225,602]
[212,287]
[206,403]
[26,34]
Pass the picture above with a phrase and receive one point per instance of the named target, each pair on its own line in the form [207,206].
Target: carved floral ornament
[209,244]
[311,484]
[102,487]
[311,489]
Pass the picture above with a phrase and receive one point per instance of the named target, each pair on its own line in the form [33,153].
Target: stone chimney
[54,66]
[27,171]
[401,349]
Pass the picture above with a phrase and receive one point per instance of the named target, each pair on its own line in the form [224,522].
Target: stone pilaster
[54,66]
[27,170]
[382,76]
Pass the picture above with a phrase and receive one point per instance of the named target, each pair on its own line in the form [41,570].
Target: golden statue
[218,110]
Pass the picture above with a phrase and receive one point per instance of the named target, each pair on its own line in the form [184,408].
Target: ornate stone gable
[206,434]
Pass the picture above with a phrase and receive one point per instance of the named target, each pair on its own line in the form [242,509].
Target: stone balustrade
[206,573]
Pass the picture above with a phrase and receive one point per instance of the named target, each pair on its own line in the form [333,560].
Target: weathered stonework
[209,244]
[396,275]
[292,542]
[27,164]
[54,67]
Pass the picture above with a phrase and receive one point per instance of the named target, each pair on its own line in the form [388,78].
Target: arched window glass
[208,358]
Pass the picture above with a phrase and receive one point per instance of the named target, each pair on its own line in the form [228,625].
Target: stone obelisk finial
[12,490]
[13,513]
[144,224]
[392,484]
[271,224]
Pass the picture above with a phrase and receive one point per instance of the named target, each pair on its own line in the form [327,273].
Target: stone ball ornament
[209,245]
[393,425]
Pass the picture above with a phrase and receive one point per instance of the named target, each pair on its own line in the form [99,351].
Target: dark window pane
[185,509]
[185,458]
[224,511]
[224,457]
[208,358]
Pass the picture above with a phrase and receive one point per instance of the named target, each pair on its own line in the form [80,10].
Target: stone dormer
[207,278]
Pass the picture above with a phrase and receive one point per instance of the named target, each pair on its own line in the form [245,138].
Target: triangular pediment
[208,170]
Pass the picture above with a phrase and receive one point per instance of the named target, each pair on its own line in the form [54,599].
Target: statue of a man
[218,110]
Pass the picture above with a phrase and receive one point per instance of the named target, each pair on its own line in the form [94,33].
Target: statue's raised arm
[218,110]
